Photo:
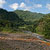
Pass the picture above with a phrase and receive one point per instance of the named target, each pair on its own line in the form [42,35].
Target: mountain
[9,20]
[12,20]
[28,16]
[11,16]
[25,21]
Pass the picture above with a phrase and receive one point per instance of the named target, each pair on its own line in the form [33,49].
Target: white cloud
[37,6]
[14,6]
[27,8]
[2,2]
[48,6]
[22,5]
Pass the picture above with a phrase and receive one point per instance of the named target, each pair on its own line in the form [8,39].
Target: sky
[39,6]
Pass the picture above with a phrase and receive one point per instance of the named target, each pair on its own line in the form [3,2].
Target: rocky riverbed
[22,42]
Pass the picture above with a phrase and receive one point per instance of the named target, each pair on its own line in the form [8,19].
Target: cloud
[14,6]
[37,6]
[22,5]
[48,6]
[28,8]
[32,7]
[2,2]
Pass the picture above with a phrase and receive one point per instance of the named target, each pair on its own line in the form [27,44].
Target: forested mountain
[9,20]
[25,21]
[29,16]
[11,16]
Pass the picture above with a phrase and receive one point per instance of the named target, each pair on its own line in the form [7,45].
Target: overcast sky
[40,6]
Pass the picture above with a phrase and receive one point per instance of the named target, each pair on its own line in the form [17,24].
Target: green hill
[28,16]
[18,20]
[9,20]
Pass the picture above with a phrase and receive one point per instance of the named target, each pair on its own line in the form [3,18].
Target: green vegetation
[29,16]
[9,21]
[31,19]
[19,21]
[44,26]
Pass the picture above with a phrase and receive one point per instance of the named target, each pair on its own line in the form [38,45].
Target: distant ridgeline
[29,16]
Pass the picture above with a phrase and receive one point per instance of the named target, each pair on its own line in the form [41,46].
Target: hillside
[24,21]
[10,16]
[12,21]
[44,26]
[29,16]
[9,20]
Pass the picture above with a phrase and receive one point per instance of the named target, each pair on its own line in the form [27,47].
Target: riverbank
[41,37]
[22,42]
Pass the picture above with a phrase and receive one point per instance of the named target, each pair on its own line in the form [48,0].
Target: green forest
[20,20]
